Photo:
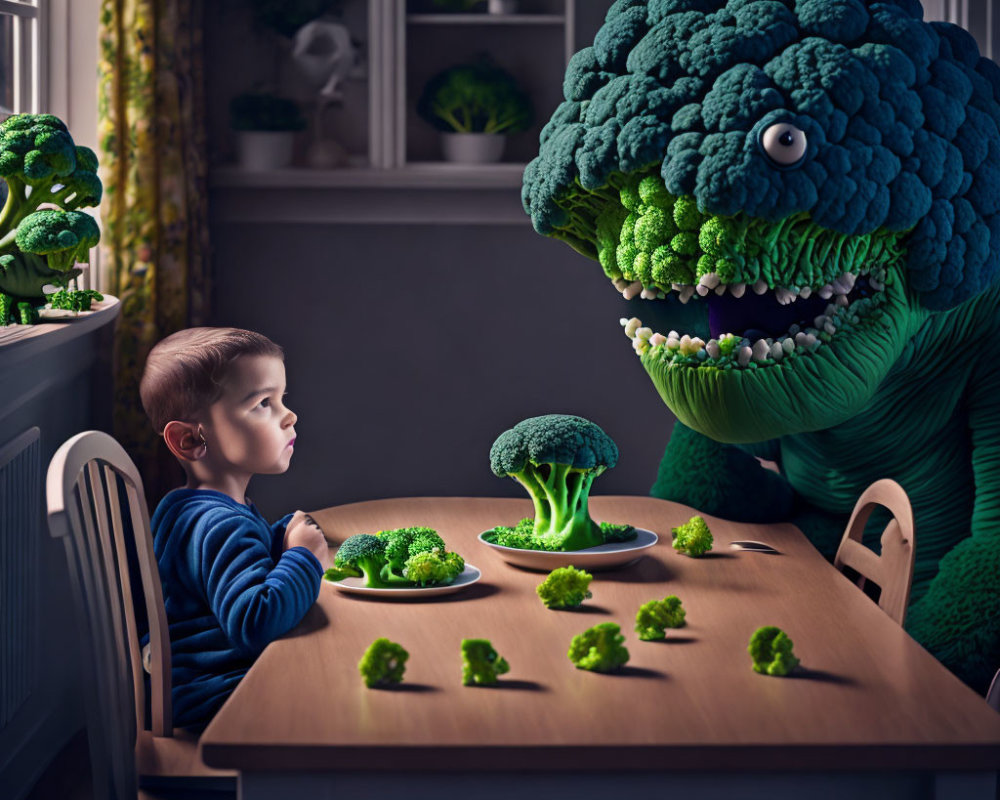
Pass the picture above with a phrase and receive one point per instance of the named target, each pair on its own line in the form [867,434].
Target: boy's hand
[302,531]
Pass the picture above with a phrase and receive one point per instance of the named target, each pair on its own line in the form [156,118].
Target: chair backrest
[88,478]
[892,571]
[993,693]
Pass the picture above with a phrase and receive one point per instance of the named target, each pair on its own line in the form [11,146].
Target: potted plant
[475,106]
[266,125]
[41,165]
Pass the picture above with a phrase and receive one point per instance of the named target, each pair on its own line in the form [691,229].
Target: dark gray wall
[410,348]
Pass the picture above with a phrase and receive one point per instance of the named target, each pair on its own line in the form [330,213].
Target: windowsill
[22,342]
[418,193]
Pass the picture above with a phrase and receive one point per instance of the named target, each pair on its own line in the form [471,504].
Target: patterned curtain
[153,161]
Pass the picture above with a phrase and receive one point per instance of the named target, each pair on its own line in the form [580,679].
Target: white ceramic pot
[502,6]
[472,148]
[262,150]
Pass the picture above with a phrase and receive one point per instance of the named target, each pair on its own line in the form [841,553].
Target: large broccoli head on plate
[811,178]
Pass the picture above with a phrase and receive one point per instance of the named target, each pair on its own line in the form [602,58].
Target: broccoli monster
[555,457]
[800,203]
[39,246]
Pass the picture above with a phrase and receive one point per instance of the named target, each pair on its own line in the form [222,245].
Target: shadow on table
[414,688]
[503,683]
[646,570]
[637,672]
[314,620]
[475,592]
[820,676]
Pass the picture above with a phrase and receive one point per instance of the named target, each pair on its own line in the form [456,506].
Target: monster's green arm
[958,619]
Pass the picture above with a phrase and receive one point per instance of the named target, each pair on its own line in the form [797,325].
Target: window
[21,87]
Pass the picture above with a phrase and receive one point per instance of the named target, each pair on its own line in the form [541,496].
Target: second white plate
[604,556]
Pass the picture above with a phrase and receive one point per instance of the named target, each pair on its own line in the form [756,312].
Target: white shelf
[485,19]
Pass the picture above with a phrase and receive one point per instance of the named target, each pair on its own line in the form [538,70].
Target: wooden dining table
[867,714]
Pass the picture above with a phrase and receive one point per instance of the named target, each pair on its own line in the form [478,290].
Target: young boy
[232,583]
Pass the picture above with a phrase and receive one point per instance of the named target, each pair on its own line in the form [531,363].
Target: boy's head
[215,395]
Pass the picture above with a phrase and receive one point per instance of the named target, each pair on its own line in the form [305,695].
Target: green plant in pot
[43,233]
[266,126]
[475,106]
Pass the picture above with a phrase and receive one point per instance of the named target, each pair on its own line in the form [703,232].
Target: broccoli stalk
[481,664]
[556,457]
[383,663]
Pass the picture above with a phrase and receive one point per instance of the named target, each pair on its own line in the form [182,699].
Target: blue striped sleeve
[255,599]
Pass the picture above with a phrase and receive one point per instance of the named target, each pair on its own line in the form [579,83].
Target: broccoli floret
[617,532]
[76,300]
[433,567]
[6,309]
[40,164]
[365,553]
[599,649]
[693,538]
[27,314]
[556,457]
[475,98]
[654,617]
[481,664]
[403,543]
[383,663]
[771,651]
[565,587]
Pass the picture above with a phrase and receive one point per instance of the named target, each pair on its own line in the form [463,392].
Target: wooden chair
[893,570]
[97,506]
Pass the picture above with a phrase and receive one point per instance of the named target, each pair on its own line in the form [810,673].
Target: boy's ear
[185,440]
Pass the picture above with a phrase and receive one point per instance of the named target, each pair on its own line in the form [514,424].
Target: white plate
[354,585]
[604,556]
[65,315]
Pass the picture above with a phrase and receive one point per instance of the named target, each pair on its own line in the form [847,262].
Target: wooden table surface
[867,696]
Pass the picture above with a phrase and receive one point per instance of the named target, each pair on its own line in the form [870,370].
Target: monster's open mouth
[743,325]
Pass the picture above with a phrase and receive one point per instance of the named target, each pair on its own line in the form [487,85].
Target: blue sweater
[229,590]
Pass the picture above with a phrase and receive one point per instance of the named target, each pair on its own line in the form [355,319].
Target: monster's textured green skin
[655,165]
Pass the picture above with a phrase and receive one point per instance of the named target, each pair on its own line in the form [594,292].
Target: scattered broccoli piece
[383,663]
[481,664]
[6,309]
[654,617]
[565,587]
[599,649]
[556,457]
[771,651]
[433,567]
[693,538]
[403,543]
[27,314]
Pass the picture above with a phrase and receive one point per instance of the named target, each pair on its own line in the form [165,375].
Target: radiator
[20,528]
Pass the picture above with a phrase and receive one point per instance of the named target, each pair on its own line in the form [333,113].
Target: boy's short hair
[184,372]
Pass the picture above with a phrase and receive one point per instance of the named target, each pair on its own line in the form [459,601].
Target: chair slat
[893,569]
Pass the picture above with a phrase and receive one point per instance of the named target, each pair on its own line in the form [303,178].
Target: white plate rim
[587,552]
[411,591]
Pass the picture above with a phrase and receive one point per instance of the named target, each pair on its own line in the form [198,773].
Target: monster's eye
[784,144]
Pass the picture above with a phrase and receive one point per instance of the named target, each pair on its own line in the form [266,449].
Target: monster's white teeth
[785,296]
[686,293]
[760,350]
[875,283]
[760,287]
[804,292]
[648,294]
[737,290]
[707,283]
[826,292]
[632,290]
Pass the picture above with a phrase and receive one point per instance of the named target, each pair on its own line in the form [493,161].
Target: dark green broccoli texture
[556,457]
[481,663]
[565,587]
[654,617]
[475,98]
[798,207]
[383,663]
[599,649]
[771,652]
[38,246]
[397,558]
